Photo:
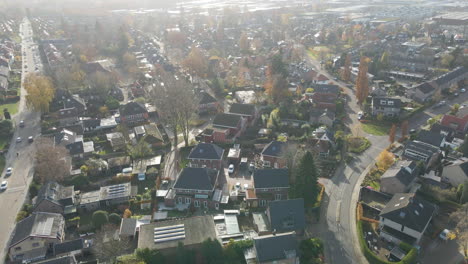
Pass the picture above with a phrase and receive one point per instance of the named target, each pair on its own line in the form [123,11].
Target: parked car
[3,186]
[444,235]
[360,115]
[9,171]
[21,124]
[30,139]
[463,90]
[18,140]
[231,169]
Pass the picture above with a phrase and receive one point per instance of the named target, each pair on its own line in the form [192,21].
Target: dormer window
[390,102]
[383,102]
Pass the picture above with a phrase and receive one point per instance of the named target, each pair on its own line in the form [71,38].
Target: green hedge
[410,257]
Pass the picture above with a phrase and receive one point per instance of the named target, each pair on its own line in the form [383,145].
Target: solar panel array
[169,233]
[116,190]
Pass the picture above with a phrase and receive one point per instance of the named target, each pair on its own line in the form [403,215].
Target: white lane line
[338,209]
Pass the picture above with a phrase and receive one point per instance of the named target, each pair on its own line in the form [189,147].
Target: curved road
[337,225]
[20,155]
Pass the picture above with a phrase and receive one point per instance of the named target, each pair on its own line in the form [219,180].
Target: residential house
[275,248]
[273,155]
[74,143]
[286,215]
[459,121]
[197,187]
[325,95]
[207,103]
[417,150]
[399,178]
[165,236]
[456,173]
[206,155]
[117,141]
[35,235]
[117,164]
[107,196]
[268,185]
[323,117]
[447,132]
[227,127]
[405,218]
[422,93]
[153,136]
[449,79]
[55,198]
[433,138]
[388,107]
[247,111]
[133,113]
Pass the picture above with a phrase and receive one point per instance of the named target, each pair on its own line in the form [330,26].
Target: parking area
[437,251]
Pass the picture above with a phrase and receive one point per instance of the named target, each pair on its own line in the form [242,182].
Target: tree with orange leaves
[346,73]
[362,82]
[196,62]
[404,129]
[391,134]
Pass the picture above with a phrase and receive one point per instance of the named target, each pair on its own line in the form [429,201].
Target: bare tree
[108,244]
[175,101]
[52,161]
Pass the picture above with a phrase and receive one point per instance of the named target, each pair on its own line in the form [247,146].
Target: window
[390,102]
[205,203]
[179,200]
[278,196]
[17,248]
[263,203]
[217,206]
[266,163]
[383,102]
[276,165]
[196,203]
[35,244]
[188,200]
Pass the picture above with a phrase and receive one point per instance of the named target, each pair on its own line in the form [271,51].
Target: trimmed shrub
[115,219]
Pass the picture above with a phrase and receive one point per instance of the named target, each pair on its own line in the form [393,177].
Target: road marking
[337,215]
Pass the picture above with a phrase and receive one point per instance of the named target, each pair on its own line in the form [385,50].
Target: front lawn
[376,129]
[12,108]
[2,163]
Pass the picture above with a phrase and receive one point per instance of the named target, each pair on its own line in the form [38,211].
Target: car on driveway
[231,169]
[9,170]
[463,90]
[18,140]
[439,104]
[30,139]
[3,186]
[21,124]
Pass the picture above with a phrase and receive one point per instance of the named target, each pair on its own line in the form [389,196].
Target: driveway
[438,251]
[20,155]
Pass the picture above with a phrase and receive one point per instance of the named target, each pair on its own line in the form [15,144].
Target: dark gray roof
[75,148]
[287,215]
[196,179]
[92,122]
[429,137]
[35,225]
[56,193]
[421,147]
[206,98]
[60,260]
[407,210]
[441,129]
[226,120]
[242,109]
[271,178]
[326,88]
[206,151]
[447,77]
[275,247]
[68,246]
[425,87]
[400,174]
[383,102]
[132,108]
[274,149]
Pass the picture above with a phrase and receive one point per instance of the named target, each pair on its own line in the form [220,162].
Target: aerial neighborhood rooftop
[223,132]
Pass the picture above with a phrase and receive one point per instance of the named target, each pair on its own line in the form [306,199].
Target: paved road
[12,199]
[337,226]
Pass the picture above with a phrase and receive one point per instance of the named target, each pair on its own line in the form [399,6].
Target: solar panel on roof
[169,235]
[168,227]
[168,239]
[161,232]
